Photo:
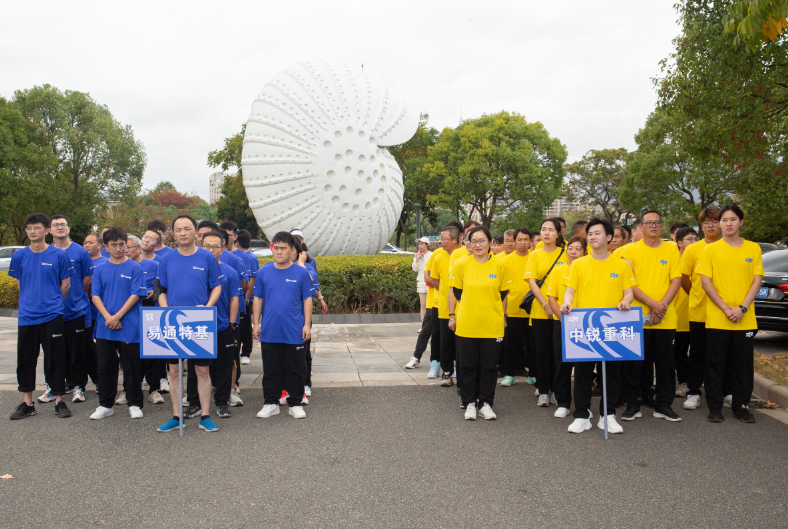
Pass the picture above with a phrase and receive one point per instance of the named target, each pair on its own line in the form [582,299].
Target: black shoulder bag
[528,299]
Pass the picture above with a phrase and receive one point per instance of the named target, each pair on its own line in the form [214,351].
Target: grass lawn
[773,367]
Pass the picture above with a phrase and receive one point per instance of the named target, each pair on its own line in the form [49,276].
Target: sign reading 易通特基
[178,332]
[604,334]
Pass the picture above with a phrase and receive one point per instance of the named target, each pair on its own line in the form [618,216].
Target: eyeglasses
[130,247]
[148,238]
[211,248]
[478,242]
[33,228]
[59,225]
[652,223]
[710,223]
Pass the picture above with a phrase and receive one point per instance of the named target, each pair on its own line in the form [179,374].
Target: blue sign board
[604,334]
[178,332]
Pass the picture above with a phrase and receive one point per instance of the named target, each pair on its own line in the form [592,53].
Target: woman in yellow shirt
[480,286]
[684,238]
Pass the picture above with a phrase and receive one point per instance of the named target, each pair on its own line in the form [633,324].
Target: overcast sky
[184,75]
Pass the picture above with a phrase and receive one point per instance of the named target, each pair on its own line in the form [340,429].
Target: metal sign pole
[180,394]
[604,393]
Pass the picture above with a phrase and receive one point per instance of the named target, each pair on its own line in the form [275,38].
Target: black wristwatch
[743,309]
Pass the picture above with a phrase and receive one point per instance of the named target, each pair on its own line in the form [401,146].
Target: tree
[99,160]
[756,21]
[163,186]
[498,164]
[596,179]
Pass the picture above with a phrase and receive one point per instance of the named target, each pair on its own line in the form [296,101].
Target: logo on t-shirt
[493,276]
[663,262]
[127,277]
[614,275]
[748,260]
[198,268]
[290,281]
[43,263]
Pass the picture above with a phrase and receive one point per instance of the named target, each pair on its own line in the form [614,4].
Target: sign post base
[180,394]
[604,393]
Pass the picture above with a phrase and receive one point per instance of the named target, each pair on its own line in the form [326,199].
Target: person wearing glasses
[479,322]
[439,274]
[655,265]
[517,345]
[691,283]
[43,274]
[685,237]
[93,245]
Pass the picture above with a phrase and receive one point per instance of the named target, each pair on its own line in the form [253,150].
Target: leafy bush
[366,284]
[9,292]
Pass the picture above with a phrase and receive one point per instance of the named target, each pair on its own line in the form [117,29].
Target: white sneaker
[144,385]
[308,391]
[297,412]
[727,401]
[102,412]
[682,390]
[579,426]
[235,400]
[552,399]
[543,402]
[121,400]
[135,412]
[164,385]
[413,364]
[185,400]
[487,413]
[283,398]
[561,413]
[268,411]
[470,412]
[612,425]
[304,401]
[156,398]
[245,360]
[692,402]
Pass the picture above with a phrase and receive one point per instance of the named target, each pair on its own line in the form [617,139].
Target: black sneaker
[632,413]
[23,410]
[715,416]
[62,411]
[667,413]
[743,414]
[192,411]
[223,412]
[69,388]
[649,402]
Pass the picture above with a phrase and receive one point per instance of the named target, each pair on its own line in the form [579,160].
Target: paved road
[769,343]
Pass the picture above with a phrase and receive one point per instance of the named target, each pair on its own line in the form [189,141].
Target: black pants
[246,331]
[108,372]
[729,354]
[30,340]
[76,368]
[515,336]
[680,349]
[154,369]
[658,345]
[424,335]
[477,367]
[283,366]
[584,372]
[530,364]
[448,347]
[220,370]
[562,385]
[696,363]
[237,354]
[543,355]
[308,363]
[91,361]
[435,339]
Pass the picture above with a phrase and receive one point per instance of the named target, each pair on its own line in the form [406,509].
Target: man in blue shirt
[117,288]
[43,274]
[160,228]
[189,277]
[283,296]
[104,251]
[93,247]
[76,307]
[244,243]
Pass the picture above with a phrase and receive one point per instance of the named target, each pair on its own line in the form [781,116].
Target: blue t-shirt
[231,287]
[163,251]
[239,265]
[283,293]
[189,279]
[252,264]
[312,269]
[77,303]
[39,275]
[93,311]
[114,284]
[105,253]
[150,269]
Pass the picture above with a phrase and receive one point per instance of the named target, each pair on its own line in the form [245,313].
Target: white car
[262,252]
[5,255]
[393,250]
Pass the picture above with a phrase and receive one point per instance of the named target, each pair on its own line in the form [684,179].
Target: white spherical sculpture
[314,157]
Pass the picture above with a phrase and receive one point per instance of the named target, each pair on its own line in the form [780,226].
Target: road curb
[770,390]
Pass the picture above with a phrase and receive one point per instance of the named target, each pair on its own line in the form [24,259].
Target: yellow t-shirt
[440,271]
[431,289]
[681,302]
[540,245]
[457,254]
[617,252]
[539,263]
[501,255]
[731,271]
[599,284]
[518,286]
[480,315]
[558,280]
[697,296]
[654,269]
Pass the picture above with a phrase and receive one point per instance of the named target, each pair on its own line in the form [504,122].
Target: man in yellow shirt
[508,241]
[655,265]
[731,272]
[597,280]
[685,237]
[517,334]
[637,235]
[450,242]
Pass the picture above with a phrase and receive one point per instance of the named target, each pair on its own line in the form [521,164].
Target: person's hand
[656,319]
[505,322]
[566,308]
[453,324]
[323,307]
[302,259]
[659,309]
[734,314]
[623,306]
[256,332]
[548,311]
[306,332]
[150,294]
[114,323]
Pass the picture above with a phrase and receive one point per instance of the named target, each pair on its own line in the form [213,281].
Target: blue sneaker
[507,381]
[531,380]
[435,369]
[208,425]
[172,424]
[47,396]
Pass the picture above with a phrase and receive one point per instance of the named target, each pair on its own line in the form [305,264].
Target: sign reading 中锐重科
[178,332]
[604,334]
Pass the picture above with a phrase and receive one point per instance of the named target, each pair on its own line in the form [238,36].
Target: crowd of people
[491,308]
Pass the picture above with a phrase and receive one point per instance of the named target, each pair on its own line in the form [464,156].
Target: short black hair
[677,226]
[708,213]
[284,237]
[624,230]
[114,234]
[225,236]
[244,238]
[214,234]
[518,231]
[55,217]
[229,225]
[157,226]
[643,216]
[635,223]
[731,207]
[179,217]
[37,218]
[457,224]
[606,224]
[683,232]
[579,224]
[208,224]
[158,235]
[498,239]
[561,220]
[470,224]
[454,232]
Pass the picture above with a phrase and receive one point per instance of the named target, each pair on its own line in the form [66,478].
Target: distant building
[215,185]
[561,206]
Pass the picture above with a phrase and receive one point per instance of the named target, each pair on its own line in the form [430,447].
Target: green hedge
[351,284]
